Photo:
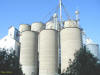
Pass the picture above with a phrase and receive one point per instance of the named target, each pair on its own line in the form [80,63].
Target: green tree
[83,64]
[9,63]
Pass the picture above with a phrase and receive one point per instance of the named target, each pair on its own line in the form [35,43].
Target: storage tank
[28,54]
[38,26]
[48,52]
[92,47]
[24,27]
[71,41]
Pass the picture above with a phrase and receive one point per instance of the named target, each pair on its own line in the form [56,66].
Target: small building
[11,41]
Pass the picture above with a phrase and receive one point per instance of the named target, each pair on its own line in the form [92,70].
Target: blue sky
[15,12]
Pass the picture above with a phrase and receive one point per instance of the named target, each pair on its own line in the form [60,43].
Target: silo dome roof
[50,25]
[70,23]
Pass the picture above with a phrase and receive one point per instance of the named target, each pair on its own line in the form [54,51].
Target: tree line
[84,64]
[9,63]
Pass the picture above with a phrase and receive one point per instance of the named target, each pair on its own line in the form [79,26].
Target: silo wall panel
[28,53]
[48,52]
[71,41]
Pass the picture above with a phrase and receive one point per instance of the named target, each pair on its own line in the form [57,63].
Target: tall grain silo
[71,41]
[92,47]
[37,27]
[24,27]
[48,51]
[28,53]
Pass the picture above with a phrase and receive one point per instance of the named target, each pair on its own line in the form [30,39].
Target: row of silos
[44,40]
[34,38]
[29,47]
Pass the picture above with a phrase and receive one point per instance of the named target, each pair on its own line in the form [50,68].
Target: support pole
[60,5]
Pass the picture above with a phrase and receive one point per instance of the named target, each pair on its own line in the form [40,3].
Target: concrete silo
[71,41]
[92,47]
[24,27]
[37,27]
[48,51]
[28,53]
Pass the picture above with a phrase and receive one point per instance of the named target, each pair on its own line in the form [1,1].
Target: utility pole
[60,5]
